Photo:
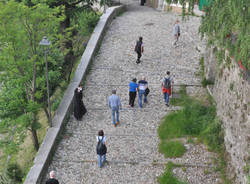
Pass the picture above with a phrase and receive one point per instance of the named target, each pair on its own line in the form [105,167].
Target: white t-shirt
[100,137]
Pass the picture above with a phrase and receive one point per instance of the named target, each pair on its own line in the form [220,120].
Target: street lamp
[46,42]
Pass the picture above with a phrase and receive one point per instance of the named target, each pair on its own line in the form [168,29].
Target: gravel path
[133,145]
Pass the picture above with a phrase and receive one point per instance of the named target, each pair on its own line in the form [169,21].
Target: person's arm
[142,48]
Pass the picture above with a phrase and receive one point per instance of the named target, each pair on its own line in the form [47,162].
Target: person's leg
[99,160]
[113,116]
[130,98]
[167,98]
[175,39]
[104,158]
[140,98]
[133,95]
[117,116]
[138,57]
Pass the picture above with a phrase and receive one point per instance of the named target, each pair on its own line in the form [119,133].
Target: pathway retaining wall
[64,110]
[231,91]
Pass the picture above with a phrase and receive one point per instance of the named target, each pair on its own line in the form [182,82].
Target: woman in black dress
[79,108]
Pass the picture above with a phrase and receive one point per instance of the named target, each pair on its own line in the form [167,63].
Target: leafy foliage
[226,25]
[21,58]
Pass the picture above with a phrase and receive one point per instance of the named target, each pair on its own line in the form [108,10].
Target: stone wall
[231,91]
[48,145]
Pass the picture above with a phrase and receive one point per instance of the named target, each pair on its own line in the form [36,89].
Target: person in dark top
[79,108]
[51,179]
[139,49]
[133,87]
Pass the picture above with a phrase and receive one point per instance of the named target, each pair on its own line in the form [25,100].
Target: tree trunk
[46,112]
[67,45]
[35,138]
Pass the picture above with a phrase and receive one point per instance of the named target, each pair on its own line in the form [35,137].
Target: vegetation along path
[133,145]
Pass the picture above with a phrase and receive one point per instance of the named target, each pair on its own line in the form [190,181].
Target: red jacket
[164,90]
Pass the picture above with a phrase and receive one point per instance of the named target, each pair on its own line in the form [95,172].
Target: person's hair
[113,91]
[177,21]
[140,38]
[100,133]
[134,79]
[168,72]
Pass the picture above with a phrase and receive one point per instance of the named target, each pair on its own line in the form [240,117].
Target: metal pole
[47,80]
[104,6]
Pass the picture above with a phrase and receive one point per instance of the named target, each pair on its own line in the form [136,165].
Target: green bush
[15,173]
[213,135]
[172,148]
[85,21]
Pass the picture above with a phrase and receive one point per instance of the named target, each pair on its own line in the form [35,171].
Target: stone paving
[133,145]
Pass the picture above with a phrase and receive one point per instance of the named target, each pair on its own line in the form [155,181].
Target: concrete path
[133,145]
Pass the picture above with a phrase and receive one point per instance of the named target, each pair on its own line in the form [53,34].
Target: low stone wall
[231,91]
[64,110]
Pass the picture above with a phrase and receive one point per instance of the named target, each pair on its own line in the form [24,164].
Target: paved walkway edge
[48,145]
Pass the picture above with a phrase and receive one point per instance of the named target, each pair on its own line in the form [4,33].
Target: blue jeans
[115,111]
[101,159]
[141,93]
[166,97]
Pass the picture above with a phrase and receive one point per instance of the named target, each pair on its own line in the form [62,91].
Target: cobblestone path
[133,145]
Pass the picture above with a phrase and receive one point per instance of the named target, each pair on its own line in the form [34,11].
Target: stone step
[101,119]
[89,172]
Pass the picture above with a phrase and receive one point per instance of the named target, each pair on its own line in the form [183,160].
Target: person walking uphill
[142,86]
[101,148]
[176,32]
[139,49]
[51,179]
[133,87]
[79,108]
[166,87]
[114,104]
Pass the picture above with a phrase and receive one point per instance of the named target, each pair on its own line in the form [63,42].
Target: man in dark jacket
[51,179]
[139,49]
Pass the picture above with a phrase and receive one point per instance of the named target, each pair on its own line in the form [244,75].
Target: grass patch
[172,148]
[196,119]
[167,177]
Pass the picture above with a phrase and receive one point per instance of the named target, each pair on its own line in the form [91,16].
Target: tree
[69,8]
[21,59]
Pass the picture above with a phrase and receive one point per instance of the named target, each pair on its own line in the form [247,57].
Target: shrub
[14,172]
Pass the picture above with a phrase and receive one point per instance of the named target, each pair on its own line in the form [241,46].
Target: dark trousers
[132,96]
[138,57]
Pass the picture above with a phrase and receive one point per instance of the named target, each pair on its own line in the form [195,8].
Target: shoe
[117,123]
[167,105]
[106,162]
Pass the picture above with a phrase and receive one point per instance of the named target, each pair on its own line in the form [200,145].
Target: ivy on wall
[226,25]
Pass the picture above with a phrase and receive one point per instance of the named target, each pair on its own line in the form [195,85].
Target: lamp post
[46,42]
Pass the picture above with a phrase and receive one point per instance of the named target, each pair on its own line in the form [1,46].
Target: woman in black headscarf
[79,108]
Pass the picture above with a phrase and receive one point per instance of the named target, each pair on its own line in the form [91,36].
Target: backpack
[167,83]
[101,148]
[138,46]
